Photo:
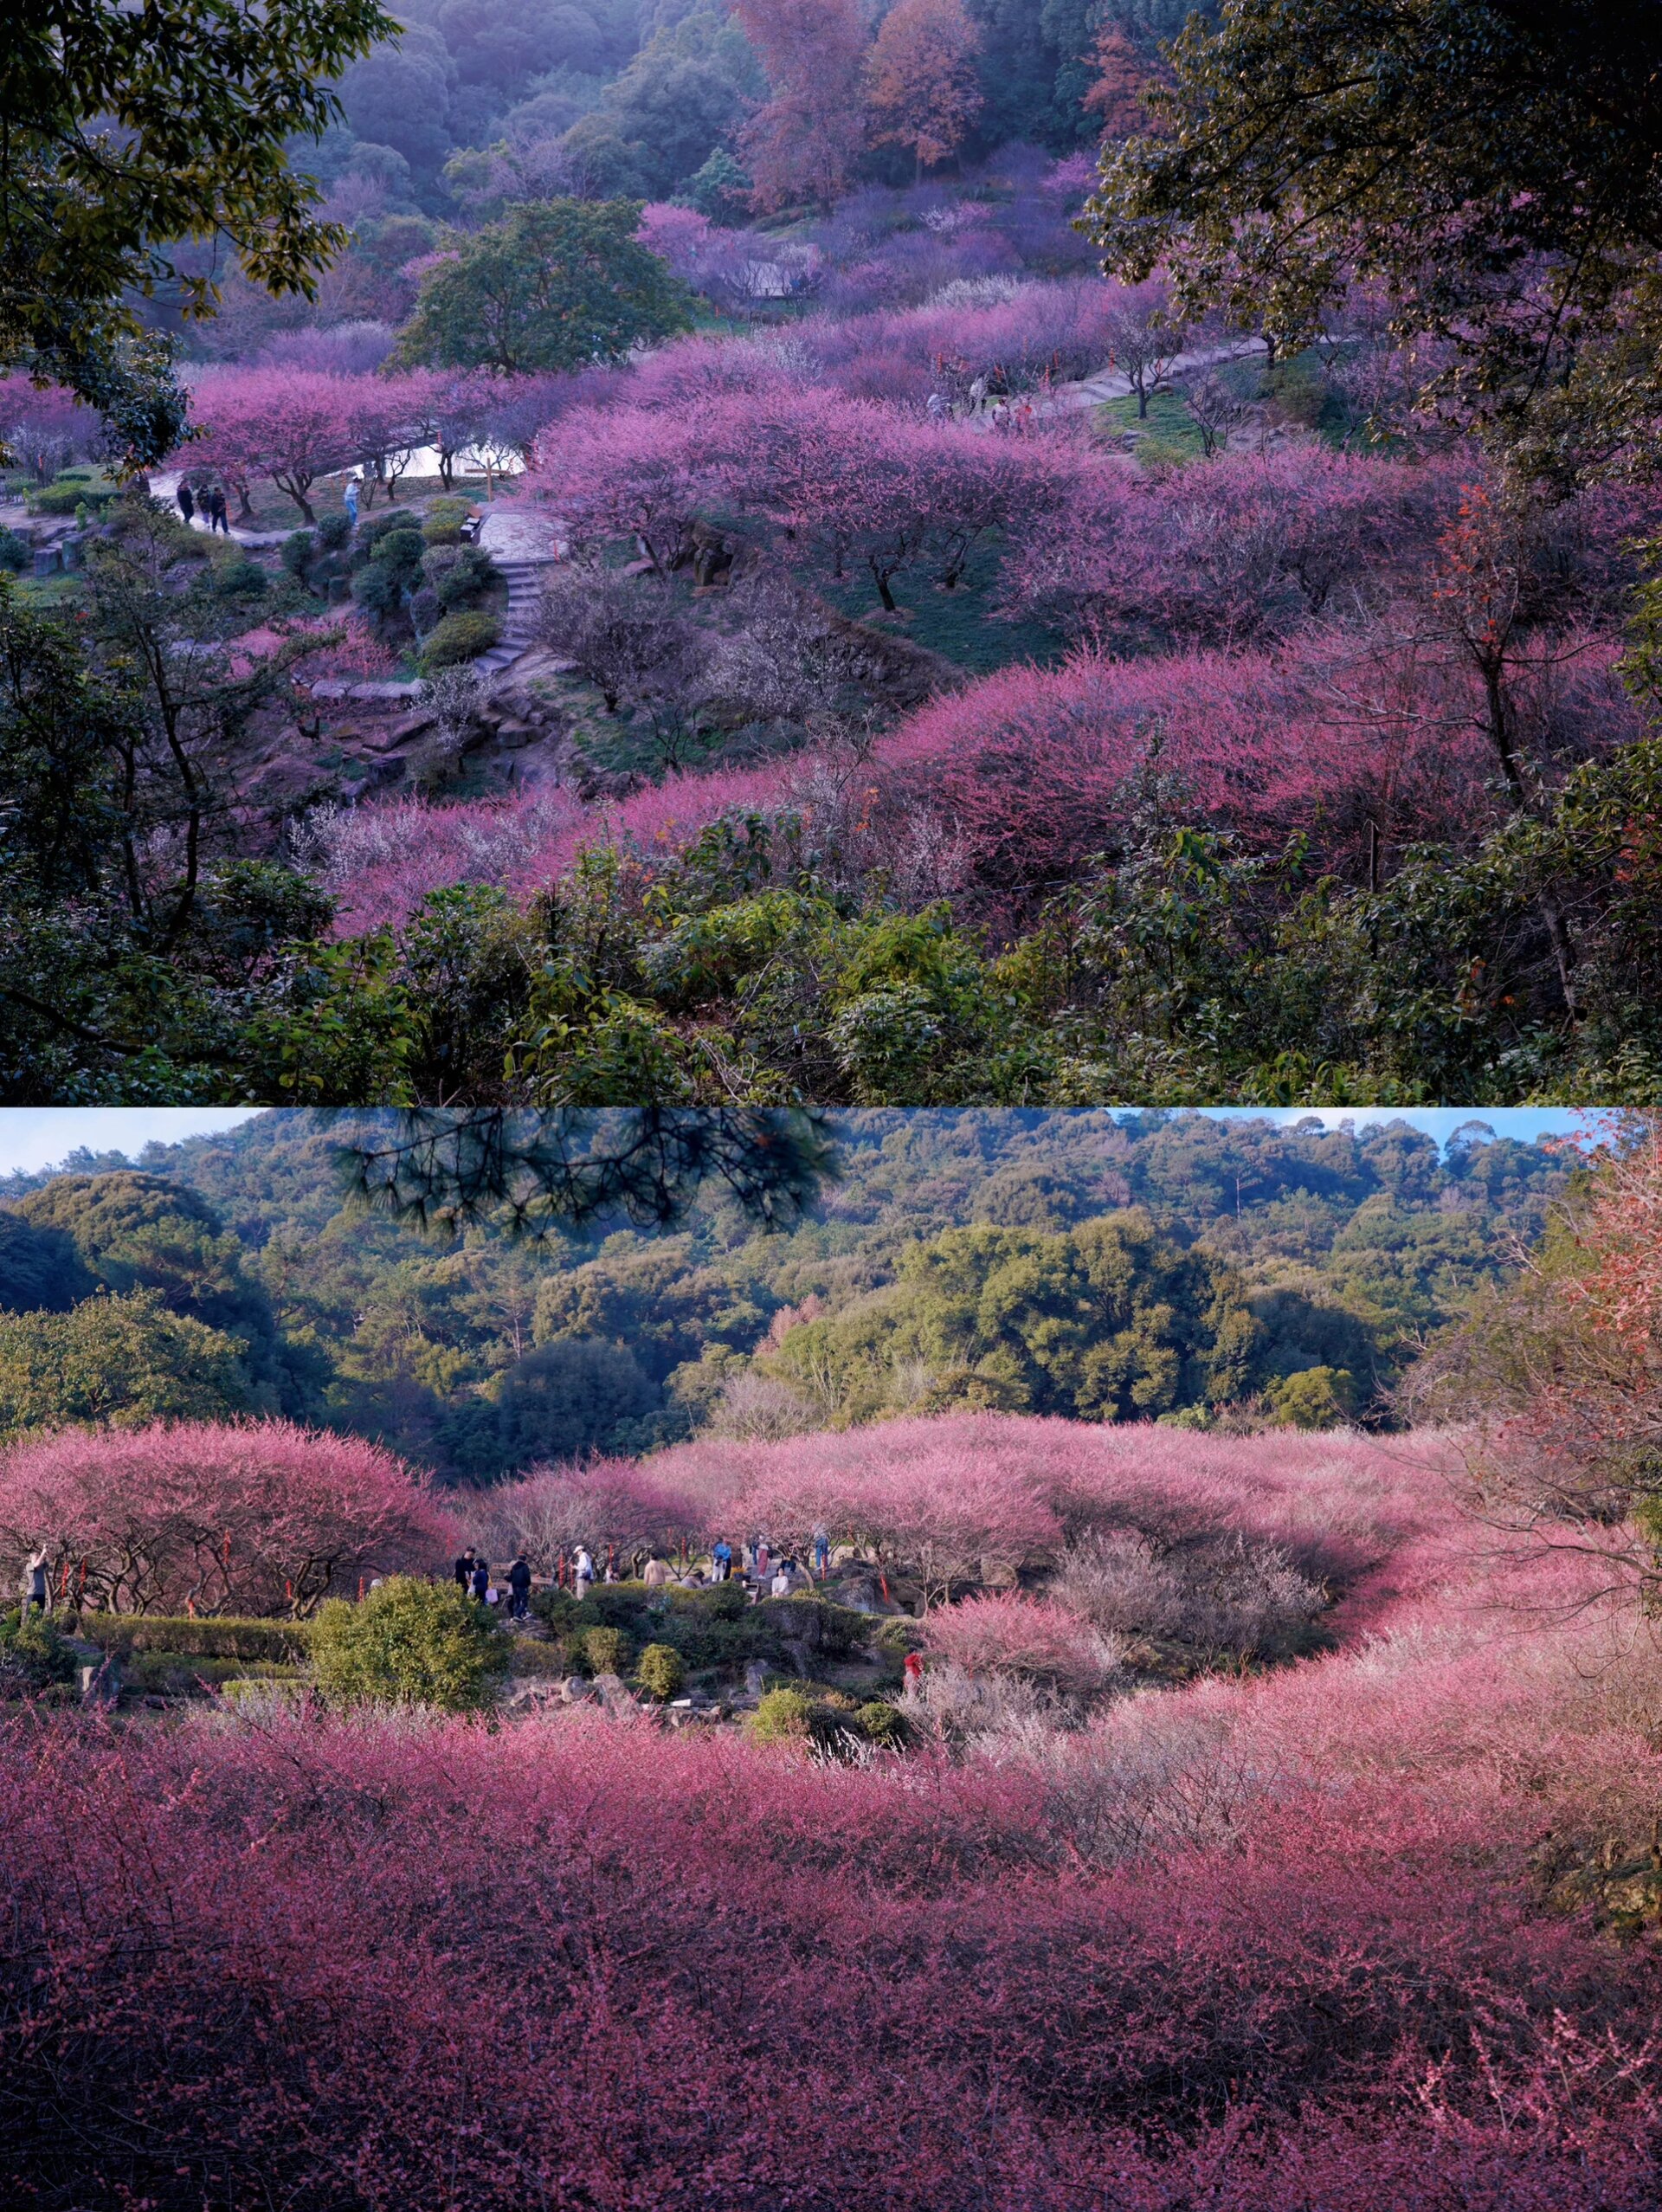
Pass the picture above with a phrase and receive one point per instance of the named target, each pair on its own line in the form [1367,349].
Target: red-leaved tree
[801,145]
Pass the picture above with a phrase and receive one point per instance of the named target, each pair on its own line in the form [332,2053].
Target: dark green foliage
[136,1232]
[334,533]
[33,1655]
[15,551]
[298,553]
[1306,143]
[209,101]
[558,1403]
[40,1268]
[555,284]
[123,1362]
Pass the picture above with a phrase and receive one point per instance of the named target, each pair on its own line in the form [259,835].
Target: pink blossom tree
[261,1517]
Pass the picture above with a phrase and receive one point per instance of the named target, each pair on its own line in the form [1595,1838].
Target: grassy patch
[959,625]
[1168,426]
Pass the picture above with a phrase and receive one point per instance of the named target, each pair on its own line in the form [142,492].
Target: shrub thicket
[410,1644]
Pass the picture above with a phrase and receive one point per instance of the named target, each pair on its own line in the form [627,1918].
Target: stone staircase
[525,581]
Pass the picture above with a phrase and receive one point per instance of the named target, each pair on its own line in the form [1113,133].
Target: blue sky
[37,1136]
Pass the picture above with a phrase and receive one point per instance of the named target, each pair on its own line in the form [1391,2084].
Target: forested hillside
[1101,1265]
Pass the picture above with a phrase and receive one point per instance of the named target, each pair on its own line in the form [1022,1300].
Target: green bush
[32,1653]
[606,1650]
[883,1723]
[442,520]
[16,552]
[225,1636]
[468,578]
[459,637]
[177,1675]
[410,1643]
[782,1716]
[660,1672]
[370,534]
[379,590]
[242,579]
[535,1661]
[334,533]
[299,550]
[63,497]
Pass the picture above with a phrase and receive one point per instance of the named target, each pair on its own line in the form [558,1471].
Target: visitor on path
[349,498]
[481,1583]
[977,395]
[721,1559]
[217,519]
[35,1581]
[583,1573]
[936,406]
[821,1550]
[464,1571]
[913,1667]
[187,500]
[659,1575]
[520,1588]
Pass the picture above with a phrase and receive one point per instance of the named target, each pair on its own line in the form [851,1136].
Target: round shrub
[782,1717]
[299,550]
[240,580]
[371,534]
[401,550]
[459,637]
[606,1650]
[467,578]
[410,1644]
[14,551]
[334,531]
[883,1723]
[660,1672]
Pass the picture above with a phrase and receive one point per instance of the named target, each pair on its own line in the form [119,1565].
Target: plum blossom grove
[1272,1819]
[1186,1997]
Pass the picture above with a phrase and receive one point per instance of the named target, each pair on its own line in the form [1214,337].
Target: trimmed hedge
[220,1637]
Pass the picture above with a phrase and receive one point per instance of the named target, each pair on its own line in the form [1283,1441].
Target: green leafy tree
[410,1644]
[1495,164]
[125,1361]
[133,1232]
[555,284]
[126,129]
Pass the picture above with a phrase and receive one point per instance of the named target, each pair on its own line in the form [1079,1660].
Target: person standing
[518,1588]
[721,1559]
[187,500]
[584,1579]
[464,1571]
[482,1581]
[35,1581]
[349,500]
[217,516]
[821,1550]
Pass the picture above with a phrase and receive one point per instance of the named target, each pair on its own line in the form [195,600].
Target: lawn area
[1167,427]
[960,625]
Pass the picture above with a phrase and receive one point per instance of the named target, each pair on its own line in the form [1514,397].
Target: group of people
[206,497]
[473,1574]
[768,1574]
